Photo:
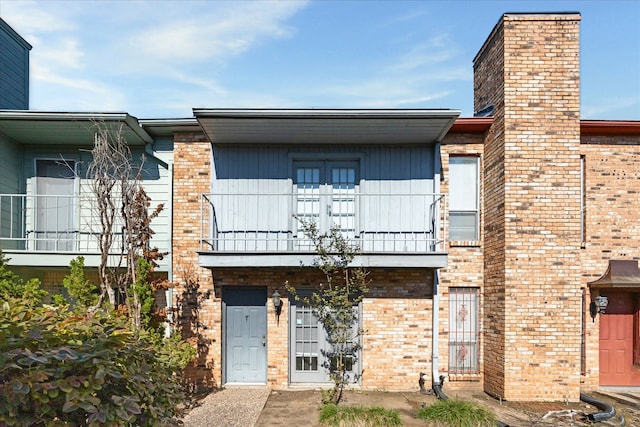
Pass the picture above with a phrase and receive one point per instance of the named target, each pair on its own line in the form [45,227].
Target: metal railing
[52,223]
[271,222]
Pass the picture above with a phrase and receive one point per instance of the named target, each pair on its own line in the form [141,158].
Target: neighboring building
[14,69]
[48,214]
[507,225]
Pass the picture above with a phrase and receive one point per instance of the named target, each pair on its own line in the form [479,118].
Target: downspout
[171,316]
[606,410]
[436,379]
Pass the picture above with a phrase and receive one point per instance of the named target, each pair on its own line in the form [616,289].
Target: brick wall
[192,177]
[612,229]
[466,259]
[489,91]
[396,317]
[529,69]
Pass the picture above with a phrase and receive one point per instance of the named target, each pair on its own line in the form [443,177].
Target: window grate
[464,349]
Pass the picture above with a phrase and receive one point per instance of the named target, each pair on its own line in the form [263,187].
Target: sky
[160,59]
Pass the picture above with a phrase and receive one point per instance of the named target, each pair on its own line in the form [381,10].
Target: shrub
[84,294]
[457,413]
[374,416]
[12,286]
[59,368]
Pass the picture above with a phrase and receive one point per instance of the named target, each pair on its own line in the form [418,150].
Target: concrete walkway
[230,407]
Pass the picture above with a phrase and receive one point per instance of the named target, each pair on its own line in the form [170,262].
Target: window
[463,198]
[464,353]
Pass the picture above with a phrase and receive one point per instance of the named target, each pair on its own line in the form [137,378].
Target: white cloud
[217,33]
[29,18]
[611,107]
[64,53]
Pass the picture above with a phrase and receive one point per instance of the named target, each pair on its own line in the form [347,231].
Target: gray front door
[310,351]
[245,334]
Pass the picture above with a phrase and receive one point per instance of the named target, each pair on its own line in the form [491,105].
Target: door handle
[264,342]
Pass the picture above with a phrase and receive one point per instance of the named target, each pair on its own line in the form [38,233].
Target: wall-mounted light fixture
[598,306]
[277,303]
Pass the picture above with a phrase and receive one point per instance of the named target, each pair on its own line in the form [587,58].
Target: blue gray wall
[14,69]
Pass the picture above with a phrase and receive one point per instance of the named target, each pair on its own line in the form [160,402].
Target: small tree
[125,231]
[335,302]
[84,294]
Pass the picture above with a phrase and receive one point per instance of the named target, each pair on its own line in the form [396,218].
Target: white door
[54,223]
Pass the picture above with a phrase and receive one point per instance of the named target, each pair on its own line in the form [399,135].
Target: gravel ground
[230,407]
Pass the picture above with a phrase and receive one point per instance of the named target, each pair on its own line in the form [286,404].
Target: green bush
[59,368]
[84,294]
[12,286]
[457,413]
[374,416]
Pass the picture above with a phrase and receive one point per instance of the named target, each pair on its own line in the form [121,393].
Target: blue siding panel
[14,69]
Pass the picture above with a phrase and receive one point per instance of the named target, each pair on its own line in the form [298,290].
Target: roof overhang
[619,274]
[55,128]
[322,126]
[610,127]
[168,127]
[472,124]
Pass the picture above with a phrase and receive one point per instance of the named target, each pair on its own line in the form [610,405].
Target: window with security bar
[464,348]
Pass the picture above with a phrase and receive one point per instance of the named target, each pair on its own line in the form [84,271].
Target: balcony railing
[271,222]
[52,224]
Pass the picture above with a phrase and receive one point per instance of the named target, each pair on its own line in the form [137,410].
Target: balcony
[262,229]
[57,228]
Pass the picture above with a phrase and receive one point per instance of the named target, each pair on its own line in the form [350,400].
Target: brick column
[200,316]
[529,71]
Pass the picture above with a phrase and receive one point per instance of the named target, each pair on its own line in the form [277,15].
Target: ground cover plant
[457,413]
[60,368]
[359,416]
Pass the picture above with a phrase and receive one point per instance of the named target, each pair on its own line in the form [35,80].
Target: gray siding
[14,69]
[10,183]
[10,171]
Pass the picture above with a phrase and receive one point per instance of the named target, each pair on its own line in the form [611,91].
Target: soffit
[312,126]
[30,127]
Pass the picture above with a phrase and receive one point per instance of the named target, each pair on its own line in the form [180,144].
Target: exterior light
[598,306]
[277,302]
[601,303]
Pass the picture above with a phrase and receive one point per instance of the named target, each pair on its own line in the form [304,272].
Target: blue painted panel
[14,70]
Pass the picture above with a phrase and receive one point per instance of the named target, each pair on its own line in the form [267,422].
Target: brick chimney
[528,71]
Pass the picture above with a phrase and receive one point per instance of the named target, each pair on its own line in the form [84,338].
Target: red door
[617,335]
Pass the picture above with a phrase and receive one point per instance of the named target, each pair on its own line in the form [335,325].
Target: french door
[311,352]
[326,195]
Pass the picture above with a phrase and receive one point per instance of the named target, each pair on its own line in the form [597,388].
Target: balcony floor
[213,259]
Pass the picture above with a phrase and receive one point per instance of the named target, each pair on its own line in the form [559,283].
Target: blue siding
[254,198]
[377,163]
[10,183]
[14,69]
[10,172]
